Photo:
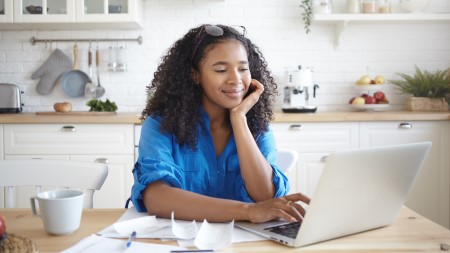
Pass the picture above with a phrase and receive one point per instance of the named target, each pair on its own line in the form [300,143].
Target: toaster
[10,98]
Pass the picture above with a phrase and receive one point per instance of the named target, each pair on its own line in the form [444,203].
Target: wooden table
[411,232]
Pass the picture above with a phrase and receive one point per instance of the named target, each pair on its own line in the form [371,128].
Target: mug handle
[33,206]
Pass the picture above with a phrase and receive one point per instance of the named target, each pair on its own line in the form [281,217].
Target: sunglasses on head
[216,31]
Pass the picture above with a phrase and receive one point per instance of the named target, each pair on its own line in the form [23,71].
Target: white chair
[287,159]
[87,176]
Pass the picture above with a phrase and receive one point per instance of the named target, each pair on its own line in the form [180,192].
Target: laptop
[358,190]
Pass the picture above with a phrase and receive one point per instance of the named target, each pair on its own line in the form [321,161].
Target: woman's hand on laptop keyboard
[278,208]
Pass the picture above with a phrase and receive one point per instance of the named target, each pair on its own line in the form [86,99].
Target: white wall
[274,25]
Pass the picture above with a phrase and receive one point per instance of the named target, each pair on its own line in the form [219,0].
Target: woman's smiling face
[224,75]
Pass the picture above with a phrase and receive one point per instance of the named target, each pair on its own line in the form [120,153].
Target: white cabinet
[6,11]
[1,142]
[109,11]
[430,195]
[26,11]
[111,143]
[80,14]
[2,201]
[313,141]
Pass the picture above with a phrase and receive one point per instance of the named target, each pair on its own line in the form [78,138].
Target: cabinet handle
[68,129]
[405,126]
[102,160]
[295,127]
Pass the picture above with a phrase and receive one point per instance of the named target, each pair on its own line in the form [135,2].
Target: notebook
[358,190]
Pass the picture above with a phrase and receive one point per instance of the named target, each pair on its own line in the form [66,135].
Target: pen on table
[191,250]
[131,238]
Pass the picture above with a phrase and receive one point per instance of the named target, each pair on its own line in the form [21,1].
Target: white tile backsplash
[275,26]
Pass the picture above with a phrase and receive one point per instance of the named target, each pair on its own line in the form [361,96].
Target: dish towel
[56,64]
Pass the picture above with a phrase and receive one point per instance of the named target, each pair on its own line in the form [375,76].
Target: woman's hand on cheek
[254,92]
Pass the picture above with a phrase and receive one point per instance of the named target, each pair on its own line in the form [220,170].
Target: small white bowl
[414,5]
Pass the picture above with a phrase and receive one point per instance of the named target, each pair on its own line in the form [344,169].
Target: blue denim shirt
[200,171]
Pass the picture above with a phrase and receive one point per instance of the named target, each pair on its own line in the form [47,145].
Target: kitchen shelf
[341,21]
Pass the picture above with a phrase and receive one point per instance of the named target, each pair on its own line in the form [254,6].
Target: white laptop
[358,190]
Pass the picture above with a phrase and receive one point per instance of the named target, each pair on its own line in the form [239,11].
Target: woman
[206,150]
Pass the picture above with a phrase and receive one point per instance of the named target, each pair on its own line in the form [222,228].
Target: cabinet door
[2,192]
[1,141]
[117,187]
[310,168]
[312,141]
[109,11]
[42,11]
[6,11]
[82,139]
[316,137]
[430,195]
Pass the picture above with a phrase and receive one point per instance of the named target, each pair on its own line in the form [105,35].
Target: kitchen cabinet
[79,14]
[110,11]
[313,141]
[342,21]
[110,143]
[30,11]
[430,195]
[6,11]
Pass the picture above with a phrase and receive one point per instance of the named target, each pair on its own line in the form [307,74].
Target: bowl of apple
[375,102]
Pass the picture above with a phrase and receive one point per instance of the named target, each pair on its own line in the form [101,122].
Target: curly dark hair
[174,95]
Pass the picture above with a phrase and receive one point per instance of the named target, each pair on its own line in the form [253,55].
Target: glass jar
[384,6]
[353,6]
[368,6]
[323,6]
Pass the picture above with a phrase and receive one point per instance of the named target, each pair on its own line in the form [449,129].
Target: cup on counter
[60,210]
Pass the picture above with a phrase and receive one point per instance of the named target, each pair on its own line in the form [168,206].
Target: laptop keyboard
[289,230]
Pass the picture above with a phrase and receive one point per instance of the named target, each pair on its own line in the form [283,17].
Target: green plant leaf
[425,84]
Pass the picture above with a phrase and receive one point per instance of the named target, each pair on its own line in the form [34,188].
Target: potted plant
[307,14]
[430,90]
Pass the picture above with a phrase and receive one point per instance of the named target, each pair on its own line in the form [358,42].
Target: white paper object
[184,230]
[239,235]
[95,244]
[214,236]
[142,225]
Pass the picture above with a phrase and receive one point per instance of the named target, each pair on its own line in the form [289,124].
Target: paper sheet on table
[184,231]
[95,244]
[214,236]
[239,235]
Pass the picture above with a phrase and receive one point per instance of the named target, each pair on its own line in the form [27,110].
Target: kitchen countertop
[133,118]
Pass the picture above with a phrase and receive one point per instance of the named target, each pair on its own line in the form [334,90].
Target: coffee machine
[298,89]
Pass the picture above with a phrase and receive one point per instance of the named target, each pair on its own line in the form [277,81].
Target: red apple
[2,227]
[370,100]
[351,100]
[384,101]
[364,95]
[379,95]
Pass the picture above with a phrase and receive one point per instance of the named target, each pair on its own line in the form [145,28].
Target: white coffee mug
[60,210]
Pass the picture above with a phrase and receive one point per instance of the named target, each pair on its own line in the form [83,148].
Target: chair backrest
[287,159]
[87,176]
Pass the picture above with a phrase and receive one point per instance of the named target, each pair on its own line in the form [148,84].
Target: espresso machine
[298,89]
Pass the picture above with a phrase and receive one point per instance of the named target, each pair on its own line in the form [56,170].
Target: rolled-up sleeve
[155,162]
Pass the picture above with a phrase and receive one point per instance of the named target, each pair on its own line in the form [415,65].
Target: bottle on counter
[353,6]
[384,6]
[368,6]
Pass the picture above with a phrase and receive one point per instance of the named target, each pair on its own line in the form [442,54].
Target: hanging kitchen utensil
[99,91]
[73,82]
[90,89]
